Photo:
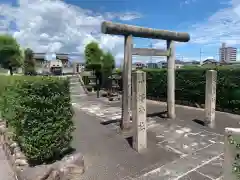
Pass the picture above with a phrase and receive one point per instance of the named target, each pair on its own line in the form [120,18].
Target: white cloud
[186,2]
[189,1]
[128,16]
[222,26]
[54,26]
[160,44]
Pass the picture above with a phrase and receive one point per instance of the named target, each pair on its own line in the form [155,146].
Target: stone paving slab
[185,165]
[194,176]
[212,169]
[175,136]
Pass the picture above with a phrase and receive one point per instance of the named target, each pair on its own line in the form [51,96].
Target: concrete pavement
[180,149]
[108,156]
[186,113]
[200,150]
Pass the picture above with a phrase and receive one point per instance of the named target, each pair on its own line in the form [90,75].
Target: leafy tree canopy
[28,54]
[108,61]
[29,62]
[10,53]
[93,55]
[96,59]
[101,62]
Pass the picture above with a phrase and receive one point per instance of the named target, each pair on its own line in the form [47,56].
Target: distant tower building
[227,54]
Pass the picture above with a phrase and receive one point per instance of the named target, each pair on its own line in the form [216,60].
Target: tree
[93,55]
[108,61]
[102,63]
[107,68]
[29,62]
[10,53]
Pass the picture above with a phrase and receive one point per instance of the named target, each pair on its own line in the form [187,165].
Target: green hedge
[190,87]
[39,112]
[5,81]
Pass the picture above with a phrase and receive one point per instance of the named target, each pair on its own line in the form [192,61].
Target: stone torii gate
[129,31]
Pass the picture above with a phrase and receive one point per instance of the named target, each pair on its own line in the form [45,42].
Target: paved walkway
[195,152]
[108,156]
[6,172]
[187,113]
[198,149]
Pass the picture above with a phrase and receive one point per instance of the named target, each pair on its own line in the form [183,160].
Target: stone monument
[210,98]
[139,110]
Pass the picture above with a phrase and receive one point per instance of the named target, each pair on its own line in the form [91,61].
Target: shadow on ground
[129,138]
[162,114]
[201,122]
[56,157]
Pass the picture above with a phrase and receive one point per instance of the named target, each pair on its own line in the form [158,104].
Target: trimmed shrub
[190,87]
[39,111]
[5,82]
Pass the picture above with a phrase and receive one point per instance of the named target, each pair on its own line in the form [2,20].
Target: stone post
[127,77]
[171,80]
[19,70]
[210,98]
[139,125]
[231,166]
[74,68]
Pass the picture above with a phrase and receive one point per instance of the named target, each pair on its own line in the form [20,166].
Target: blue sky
[67,26]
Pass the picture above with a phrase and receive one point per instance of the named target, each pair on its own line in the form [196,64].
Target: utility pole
[151,46]
[200,56]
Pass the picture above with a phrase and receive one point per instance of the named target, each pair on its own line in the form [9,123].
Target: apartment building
[138,65]
[227,54]
[152,65]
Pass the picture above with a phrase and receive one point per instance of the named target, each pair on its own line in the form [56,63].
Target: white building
[227,54]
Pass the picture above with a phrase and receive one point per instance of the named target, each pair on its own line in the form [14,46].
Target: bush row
[190,87]
[39,112]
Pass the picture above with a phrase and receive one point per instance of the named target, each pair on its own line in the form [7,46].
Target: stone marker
[74,68]
[139,111]
[210,98]
[231,167]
